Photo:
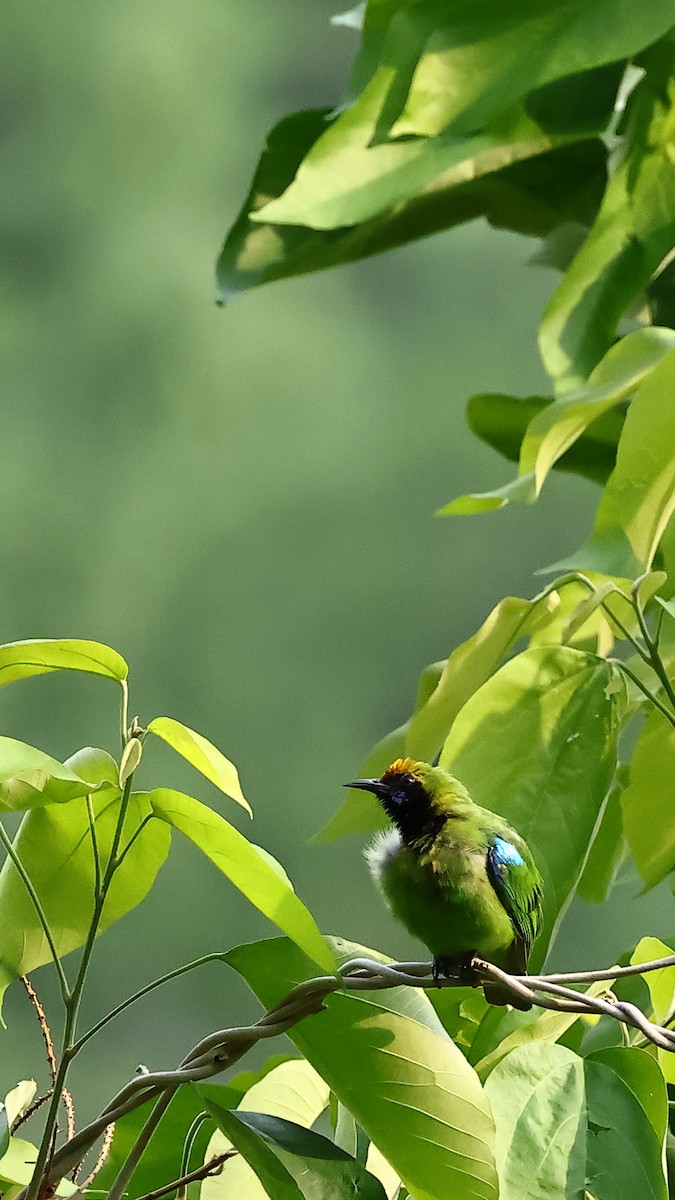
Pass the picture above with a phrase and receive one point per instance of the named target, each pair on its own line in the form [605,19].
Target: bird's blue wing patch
[517,882]
[505,853]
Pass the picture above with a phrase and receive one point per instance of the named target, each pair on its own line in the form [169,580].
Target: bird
[456,875]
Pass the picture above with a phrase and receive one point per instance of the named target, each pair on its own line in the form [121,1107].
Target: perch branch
[222,1049]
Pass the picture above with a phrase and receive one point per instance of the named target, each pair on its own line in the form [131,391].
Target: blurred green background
[241,502]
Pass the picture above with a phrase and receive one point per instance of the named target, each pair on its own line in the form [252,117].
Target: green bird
[458,876]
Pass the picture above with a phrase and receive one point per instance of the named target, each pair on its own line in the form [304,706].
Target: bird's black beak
[369,785]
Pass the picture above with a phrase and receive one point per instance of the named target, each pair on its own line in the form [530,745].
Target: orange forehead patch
[400,766]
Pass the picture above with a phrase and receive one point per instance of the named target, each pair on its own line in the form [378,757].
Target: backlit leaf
[389,1060]
[252,870]
[200,753]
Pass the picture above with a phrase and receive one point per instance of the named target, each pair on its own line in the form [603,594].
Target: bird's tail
[515,962]
[496,993]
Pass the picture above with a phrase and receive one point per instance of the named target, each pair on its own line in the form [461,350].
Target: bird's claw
[452,968]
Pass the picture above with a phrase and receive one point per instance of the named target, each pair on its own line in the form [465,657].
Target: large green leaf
[661,986]
[648,816]
[54,845]
[252,870]
[501,421]
[537,744]
[537,1097]
[478,56]
[632,234]
[20,660]
[347,178]
[639,497]
[386,1056]
[31,779]
[555,431]
[627,1107]
[294,1163]
[607,851]
[291,1091]
[530,197]
[200,753]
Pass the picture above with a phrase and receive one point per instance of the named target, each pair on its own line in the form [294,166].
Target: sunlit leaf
[501,421]
[537,744]
[294,1163]
[530,197]
[632,234]
[31,779]
[54,845]
[200,753]
[387,1057]
[20,660]
[250,869]
[538,1101]
[606,851]
[478,58]
[18,1164]
[661,984]
[291,1091]
[648,817]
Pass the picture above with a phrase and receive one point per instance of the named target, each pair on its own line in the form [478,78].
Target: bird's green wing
[517,882]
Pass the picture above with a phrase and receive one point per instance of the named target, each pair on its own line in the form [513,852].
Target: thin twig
[213,1167]
[100,1161]
[44,1025]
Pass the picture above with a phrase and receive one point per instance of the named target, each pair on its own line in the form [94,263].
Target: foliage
[557,121]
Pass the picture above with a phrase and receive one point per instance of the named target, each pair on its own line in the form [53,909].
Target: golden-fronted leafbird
[458,876]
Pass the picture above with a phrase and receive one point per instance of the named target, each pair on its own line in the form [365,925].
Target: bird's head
[417,797]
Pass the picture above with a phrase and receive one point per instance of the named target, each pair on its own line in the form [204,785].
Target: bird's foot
[460,969]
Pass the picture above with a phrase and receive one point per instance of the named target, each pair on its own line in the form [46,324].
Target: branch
[220,1050]
[213,1167]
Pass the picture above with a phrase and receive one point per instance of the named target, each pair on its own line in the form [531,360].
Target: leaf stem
[37,905]
[140,1145]
[150,987]
[72,1002]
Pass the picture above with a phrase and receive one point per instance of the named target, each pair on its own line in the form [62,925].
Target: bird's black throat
[407,804]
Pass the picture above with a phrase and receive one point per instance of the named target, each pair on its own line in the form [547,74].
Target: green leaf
[54,845]
[537,744]
[627,1107]
[31,779]
[294,1163]
[537,1097]
[4,1131]
[648,819]
[20,660]
[200,753]
[479,57]
[606,851]
[131,757]
[501,422]
[530,197]
[18,1164]
[19,1099]
[527,1028]
[387,1057]
[624,368]
[632,234]
[569,431]
[347,178]
[661,986]
[253,871]
[291,1091]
